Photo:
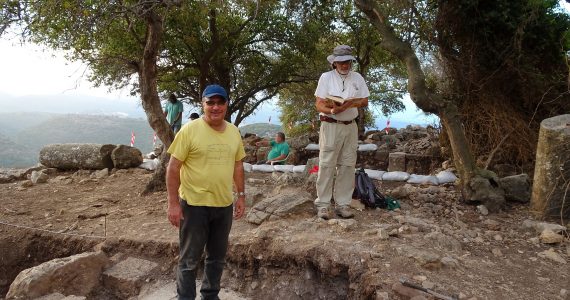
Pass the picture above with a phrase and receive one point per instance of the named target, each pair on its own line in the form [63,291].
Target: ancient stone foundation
[551,187]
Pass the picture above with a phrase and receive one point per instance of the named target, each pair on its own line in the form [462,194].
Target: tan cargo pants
[338,144]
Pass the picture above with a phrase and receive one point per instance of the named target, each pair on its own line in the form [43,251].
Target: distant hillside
[73,128]
[14,155]
[261,129]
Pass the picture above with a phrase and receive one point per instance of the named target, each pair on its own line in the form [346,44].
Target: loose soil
[297,257]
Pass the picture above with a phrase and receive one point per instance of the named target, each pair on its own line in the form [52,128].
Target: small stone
[564,294]
[254,285]
[498,237]
[482,210]
[420,278]
[552,255]
[428,285]
[534,240]
[404,229]
[462,296]
[449,262]
[26,184]
[39,177]
[382,296]
[492,224]
[550,237]
[543,279]
[383,234]
[479,240]
[497,252]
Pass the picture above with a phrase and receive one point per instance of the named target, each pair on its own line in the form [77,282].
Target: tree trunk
[149,95]
[476,185]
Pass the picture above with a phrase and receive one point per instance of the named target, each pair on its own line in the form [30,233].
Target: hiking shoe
[344,212]
[323,213]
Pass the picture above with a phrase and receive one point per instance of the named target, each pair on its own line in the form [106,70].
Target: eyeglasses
[212,103]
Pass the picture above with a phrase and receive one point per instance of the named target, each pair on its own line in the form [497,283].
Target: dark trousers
[209,227]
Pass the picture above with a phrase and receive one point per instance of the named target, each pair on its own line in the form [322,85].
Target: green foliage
[506,66]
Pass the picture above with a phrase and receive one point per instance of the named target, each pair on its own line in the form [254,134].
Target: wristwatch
[241,194]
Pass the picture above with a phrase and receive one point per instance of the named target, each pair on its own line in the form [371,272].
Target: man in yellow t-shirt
[206,159]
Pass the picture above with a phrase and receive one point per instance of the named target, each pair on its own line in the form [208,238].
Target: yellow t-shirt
[208,158]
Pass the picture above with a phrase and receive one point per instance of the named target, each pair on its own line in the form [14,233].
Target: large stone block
[74,275]
[397,162]
[127,276]
[550,196]
[517,188]
[125,157]
[77,156]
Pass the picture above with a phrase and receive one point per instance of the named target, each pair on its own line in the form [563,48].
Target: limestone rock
[487,191]
[550,237]
[517,188]
[26,184]
[39,177]
[127,276]
[552,163]
[100,174]
[125,157]
[73,275]
[279,204]
[482,210]
[397,162]
[539,227]
[552,255]
[77,156]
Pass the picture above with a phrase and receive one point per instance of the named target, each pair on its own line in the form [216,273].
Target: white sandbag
[312,147]
[149,164]
[283,168]
[446,177]
[299,169]
[395,176]
[423,179]
[262,168]
[374,174]
[367,147]
[247,167]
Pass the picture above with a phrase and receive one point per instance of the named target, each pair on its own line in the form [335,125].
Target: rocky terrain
[433,241]
[88,234]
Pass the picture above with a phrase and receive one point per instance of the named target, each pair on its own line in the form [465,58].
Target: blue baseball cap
[215,90]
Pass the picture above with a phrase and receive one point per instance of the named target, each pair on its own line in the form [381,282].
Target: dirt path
[438,243]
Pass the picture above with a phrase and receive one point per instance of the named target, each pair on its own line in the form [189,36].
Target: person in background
[279,149]
[206,161]
[173,113]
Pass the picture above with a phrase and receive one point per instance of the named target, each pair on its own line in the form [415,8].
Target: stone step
[167,291]
[126,277]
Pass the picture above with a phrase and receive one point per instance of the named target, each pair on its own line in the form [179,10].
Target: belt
[331,120]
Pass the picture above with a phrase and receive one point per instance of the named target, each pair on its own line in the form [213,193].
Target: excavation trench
[251,271]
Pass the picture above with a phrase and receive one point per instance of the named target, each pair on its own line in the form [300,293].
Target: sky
[31,70]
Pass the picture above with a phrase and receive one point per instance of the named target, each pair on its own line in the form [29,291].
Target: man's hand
[175,215]
[239,208]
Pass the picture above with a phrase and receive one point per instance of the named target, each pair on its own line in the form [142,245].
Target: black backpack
[366,191]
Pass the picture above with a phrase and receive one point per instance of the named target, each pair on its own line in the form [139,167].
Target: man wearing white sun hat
[338,138]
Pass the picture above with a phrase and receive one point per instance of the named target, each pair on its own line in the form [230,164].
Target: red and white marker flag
[387,125]
[132,138]
[154,140]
